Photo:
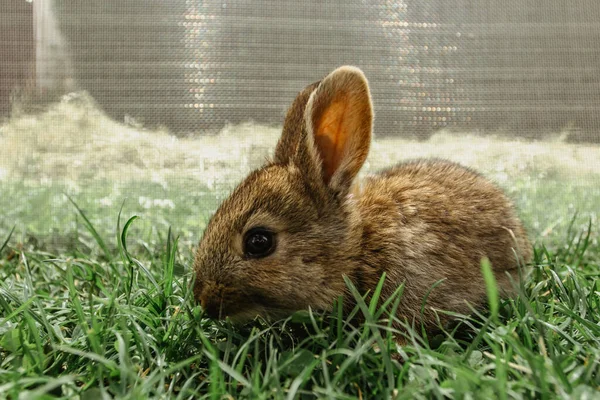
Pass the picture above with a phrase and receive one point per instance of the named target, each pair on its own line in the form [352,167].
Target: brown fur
[419,222]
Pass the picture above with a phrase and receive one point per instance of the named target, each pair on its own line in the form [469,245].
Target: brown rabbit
[289,232]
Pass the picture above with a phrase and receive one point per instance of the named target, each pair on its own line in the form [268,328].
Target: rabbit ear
[287,147]
[338,121]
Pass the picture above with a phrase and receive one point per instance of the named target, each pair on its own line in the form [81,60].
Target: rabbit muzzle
[213,298]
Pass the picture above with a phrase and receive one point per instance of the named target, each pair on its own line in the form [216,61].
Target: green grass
[103,320]
[97,230]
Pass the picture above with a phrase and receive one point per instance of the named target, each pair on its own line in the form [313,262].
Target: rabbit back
[427,221]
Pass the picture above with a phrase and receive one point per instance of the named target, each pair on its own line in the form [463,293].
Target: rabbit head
[285,236]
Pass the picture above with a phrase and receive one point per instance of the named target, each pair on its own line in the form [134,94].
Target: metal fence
[519,66]
[17,50]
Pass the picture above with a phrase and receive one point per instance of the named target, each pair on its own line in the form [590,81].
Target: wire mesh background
[517,66]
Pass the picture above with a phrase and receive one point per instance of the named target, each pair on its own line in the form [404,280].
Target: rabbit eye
[259,242]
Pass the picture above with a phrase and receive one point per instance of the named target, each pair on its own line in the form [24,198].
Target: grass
[109,322]
[95,277]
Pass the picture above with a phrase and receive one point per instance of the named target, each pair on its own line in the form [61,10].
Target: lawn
[99,221]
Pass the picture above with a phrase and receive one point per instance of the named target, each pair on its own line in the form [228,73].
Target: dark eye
[259,242]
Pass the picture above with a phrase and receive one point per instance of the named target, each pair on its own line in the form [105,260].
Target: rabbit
[289,232]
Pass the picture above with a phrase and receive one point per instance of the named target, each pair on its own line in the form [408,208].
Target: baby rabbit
[289,232]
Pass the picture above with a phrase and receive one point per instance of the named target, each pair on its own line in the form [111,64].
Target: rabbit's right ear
[293,127]
[327,131]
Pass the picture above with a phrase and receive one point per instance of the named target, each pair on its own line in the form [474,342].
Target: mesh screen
[192,65]
[120,101]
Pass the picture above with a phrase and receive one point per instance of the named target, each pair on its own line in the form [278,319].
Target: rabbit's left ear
[338,119]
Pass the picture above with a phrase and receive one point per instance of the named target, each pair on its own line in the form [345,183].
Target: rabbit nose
[210,298]
[212,309]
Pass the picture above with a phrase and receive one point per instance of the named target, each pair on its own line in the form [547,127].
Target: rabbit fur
[419,222]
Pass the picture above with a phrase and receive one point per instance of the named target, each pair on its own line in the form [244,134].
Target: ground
[94,279]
